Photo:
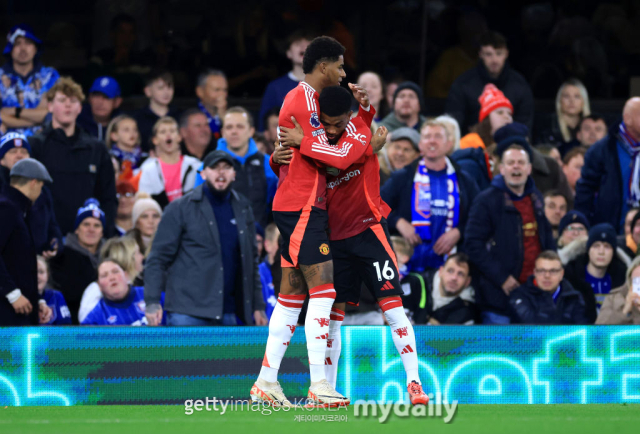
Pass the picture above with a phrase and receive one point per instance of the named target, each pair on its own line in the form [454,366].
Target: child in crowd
[158,88]
[55,300]
[170,174]
[123,141]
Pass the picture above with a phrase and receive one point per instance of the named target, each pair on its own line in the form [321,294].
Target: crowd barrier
[164,365]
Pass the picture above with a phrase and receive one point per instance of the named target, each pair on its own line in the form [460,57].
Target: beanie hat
[91,208]
[411,86]
[492,98]
[17,31]
[514,140]
[509,130]
[570,218]
[143,205]
[602,232]
[13,140]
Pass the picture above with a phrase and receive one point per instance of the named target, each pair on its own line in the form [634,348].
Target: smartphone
[635,283]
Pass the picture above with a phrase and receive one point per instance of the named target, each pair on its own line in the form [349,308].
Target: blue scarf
[136,157]
[214,121]
[421,203]
[633,148]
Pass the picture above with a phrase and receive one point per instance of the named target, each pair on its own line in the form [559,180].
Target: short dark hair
[19,180]
[184,118]
[158,74]
[459,258]
[578,150]
[494,39]
[555,193]
[321,49]
[273,111]
[298,35]
[202,77]
[335,101]
[550,255]
[593,117]
[241,110]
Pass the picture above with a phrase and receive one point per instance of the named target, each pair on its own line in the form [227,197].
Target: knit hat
[570,218]
[16,31]
[602,232]
[492,98]
[509,130]
[143,205]
[514,140]
[411,86]
[91,208]
[13,140]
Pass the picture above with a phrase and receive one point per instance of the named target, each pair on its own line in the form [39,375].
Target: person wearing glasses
[546,298]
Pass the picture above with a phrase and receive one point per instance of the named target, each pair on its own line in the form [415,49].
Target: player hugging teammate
[318,137]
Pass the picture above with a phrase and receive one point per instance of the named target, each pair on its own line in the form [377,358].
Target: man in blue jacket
[609,184]
[505,233]
[546,298]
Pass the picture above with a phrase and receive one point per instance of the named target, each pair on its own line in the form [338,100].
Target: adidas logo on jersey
[407,350]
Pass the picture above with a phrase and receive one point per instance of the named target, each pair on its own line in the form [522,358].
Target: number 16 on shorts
[387,271]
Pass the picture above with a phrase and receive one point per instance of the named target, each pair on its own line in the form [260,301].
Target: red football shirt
[303,181]
[530,238]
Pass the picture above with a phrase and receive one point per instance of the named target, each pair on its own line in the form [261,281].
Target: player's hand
[510,284]
[379,139]
[446,242]
[22,306]
[408,232]
[291,136]
[154,318]
[282,155]
[260,318]
[360,94]
[44,313]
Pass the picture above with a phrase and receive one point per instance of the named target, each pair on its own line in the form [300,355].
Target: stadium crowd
[163,217]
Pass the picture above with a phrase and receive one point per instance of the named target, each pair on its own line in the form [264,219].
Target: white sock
[334,345]
[403,336]
[316,327]
[281,327]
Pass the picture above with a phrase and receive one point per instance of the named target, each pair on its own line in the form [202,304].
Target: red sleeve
[274,166]
[367,116]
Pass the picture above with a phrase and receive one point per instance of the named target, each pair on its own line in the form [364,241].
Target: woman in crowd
[76,266]
[372,83]
[622,305]
[145,218]
[496,111]
[453,130]
[125,252]
[55,300]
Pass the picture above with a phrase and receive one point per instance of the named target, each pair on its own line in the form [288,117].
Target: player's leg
[334,343]
[382,277]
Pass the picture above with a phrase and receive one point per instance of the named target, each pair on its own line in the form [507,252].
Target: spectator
[426,212]
[212,91]
[401,150]
[24,82]
[125,252]
[572,166]
[145,217]
[204,255]
[123,142]
[561,128]
[610,181]
[254,178]
[454,132]
[629,240]
[622,305]
[169,175]
[546,298]
[18,267]
[104,100]
[270,122]
[591,130]
[44,228]
[462,102]
[158,87]
[121,304]
[126,198]
[262,145]
[597,269]
[546,173]
[79,163]
[271,235]
[551,152]
[279,88]
[372,83]
[573,233]
[407,105]
[76,267]
[555,207]
[496,111]
[60,314]
[505,232]
[197,141]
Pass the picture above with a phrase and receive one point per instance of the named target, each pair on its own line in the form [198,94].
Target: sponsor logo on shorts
[324,249]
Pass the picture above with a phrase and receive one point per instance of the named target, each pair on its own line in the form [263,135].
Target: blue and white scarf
[214,121]
[421,204]
[633,148]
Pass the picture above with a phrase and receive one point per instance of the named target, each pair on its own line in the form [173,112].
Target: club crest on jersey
[324,249]
[314,120]
[112,319]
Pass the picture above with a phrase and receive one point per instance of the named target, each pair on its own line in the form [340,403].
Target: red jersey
[303,181]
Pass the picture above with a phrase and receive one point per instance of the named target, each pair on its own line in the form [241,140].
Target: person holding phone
[622,305]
